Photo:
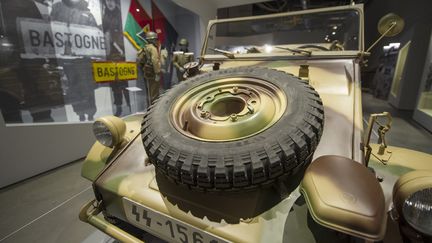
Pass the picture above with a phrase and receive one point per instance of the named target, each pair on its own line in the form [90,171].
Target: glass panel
[423,112]
[47,52]
[48,49]
[400,65]
[335,30]
[425,101]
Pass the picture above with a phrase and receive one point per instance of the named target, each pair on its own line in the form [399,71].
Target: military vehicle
[263,142]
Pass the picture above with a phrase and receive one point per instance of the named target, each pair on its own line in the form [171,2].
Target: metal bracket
[304,71]
[381,159]
[382,130]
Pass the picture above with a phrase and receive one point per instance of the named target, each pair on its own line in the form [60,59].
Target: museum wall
[28,150]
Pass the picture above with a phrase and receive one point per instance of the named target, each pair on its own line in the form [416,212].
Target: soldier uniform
[181,58]
[149,59]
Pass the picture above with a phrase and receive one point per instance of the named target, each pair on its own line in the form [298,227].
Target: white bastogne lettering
[60,40]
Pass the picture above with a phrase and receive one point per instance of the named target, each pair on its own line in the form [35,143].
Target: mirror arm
[392,25]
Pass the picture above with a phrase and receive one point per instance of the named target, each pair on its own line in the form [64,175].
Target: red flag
[137,21]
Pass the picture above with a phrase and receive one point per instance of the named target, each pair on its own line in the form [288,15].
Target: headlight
[417,211]
[109,130]
[412,198]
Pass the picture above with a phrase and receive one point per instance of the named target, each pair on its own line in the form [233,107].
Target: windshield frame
[356,7]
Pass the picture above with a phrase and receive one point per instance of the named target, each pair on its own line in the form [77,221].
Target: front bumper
[90,213]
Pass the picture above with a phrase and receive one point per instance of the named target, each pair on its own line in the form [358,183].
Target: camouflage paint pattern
[337,81]
[130,177]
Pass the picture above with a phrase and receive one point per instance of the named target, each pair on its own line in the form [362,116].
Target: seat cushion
[344,195]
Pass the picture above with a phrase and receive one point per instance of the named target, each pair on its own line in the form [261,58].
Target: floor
[405,132]
[45,208]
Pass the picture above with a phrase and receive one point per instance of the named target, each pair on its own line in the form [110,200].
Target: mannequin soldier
[181,58]
[149,59]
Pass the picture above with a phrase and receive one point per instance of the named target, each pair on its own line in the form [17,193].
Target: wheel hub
[228,109]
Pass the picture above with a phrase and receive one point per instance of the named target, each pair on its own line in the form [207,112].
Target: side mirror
[389,25]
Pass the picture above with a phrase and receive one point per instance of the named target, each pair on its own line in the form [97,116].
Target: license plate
[165,226]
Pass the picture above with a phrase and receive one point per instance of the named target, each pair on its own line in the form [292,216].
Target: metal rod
[112,230]
[392,25]
[368,148]
[91,217]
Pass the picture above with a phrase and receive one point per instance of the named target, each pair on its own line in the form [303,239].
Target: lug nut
[233,117]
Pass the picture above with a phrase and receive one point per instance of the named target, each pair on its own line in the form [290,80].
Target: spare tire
[233,129]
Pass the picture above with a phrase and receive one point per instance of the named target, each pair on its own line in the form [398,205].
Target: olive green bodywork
[100,155]
[132,178]
[266,215]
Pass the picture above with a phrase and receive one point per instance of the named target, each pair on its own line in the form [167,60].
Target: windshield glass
[297,34]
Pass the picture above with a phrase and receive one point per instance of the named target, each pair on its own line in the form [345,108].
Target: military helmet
[151,35]
[183,42]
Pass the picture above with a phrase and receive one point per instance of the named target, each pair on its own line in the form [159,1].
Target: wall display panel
[47,69]
[399,70]
[423,112]
[425,101]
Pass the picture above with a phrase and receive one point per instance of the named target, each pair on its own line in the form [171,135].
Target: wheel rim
[228,109]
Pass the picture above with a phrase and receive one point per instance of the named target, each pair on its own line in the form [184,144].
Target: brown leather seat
[344,195]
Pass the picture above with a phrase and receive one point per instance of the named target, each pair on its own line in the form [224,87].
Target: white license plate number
[165,226]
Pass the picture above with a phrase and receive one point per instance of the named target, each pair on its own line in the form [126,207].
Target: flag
[138,22]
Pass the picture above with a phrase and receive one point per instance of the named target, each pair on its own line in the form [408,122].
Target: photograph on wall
[113,31]
[47,75]
[48,49]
